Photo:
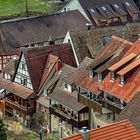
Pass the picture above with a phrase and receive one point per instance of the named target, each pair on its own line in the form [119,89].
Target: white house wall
[75,5]
[68,39]
[23,74]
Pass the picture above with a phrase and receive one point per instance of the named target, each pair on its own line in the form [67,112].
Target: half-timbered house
[35,66]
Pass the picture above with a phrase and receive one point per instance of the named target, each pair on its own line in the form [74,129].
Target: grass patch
[28,137]
[12,7]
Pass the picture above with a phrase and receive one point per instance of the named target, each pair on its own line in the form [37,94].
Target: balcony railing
[114,103]
[15,104]
[65,113]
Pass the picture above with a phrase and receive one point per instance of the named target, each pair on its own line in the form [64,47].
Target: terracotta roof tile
[131,86]
[131,66]
[110,49]
[15,88]
[122,130]
[122,62]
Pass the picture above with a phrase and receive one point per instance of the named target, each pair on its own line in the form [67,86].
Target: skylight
[104,8]
[92,10]
[127,3]
[116,5]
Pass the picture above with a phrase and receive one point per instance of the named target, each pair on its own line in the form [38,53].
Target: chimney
[58,65]
[51,41]
[88,26]
[84,133]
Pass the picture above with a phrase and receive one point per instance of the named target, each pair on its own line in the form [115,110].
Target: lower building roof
[66,99]
[122,130]
[15,88]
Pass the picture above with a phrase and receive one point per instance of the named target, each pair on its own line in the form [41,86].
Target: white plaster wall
[75,5]
[66,40]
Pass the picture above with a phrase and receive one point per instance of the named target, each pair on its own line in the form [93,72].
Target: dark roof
[107,11]
[64,72]
[10,67]
[56,82]
[132,112]
[122,130]
[66,99]
[5,48]
[84,44]
[90,42]
[73,77]
[131,6]
[21,32]
[36,59]
[119,8]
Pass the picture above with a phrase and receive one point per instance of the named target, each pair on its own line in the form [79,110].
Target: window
[106,39]
[112,76]
[92,10]
[99,77]
[116,5]
[127,3]
[23,66]
[90,73]
[122,80]
[104,8]
[108,116]
[6,76]
[23,81]
[68,87]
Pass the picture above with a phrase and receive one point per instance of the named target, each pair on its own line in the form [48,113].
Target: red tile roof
[51,61]
[36,59]
[130,67]
[128,90]
[122,130]
[14,88]
[116,46]
[122,62]
[113,46]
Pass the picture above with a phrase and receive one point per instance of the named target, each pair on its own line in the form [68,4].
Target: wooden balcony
[113,106]
[68,119]
[18,107]
[97,107]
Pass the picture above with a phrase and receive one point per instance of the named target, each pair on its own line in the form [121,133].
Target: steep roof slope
[132,112]
[36,59]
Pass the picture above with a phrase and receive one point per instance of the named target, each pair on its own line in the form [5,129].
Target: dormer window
[68,87]
[90,73]
[104,8]
[112,76]
[116,5]
[127,3]
[99,77]
[92,10]
[122,80]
